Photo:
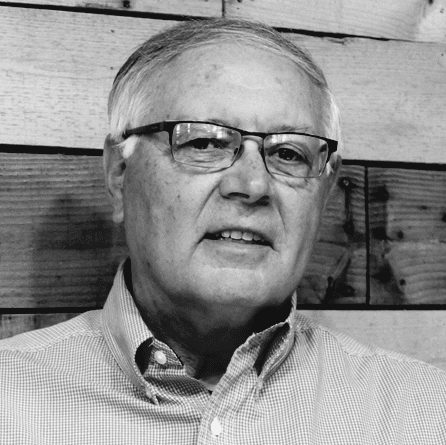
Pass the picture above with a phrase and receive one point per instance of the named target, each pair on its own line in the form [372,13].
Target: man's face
[171,209]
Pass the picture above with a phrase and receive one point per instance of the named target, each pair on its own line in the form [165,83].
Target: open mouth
[238,236]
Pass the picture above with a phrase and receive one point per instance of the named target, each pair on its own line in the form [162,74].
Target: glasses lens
[300,156]
[204,145]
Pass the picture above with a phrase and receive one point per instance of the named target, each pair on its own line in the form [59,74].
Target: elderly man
[220,159]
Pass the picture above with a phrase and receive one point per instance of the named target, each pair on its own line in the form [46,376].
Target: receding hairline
[155,55]
[196,33]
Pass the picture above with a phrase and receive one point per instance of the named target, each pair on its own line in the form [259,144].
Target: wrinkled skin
[213,291]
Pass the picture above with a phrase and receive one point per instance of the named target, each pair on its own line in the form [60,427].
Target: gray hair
[129,95]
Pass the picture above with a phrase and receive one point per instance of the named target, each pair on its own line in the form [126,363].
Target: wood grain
[196,8]
[416,333]
[336,272]
[57,68]
[56,72]
[407,211]
[392,96]
[58,245]
[59,248]
[417,20]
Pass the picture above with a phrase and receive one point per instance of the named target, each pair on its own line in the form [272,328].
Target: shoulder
[371,369]
[392,390]
[369,357]
[69,336]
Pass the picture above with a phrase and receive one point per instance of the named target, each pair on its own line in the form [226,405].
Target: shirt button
[160,357]
[216,427]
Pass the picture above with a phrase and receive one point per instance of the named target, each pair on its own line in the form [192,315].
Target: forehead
[247,86]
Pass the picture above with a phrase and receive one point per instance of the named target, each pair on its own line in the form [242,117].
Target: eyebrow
[279,129]
[290,128]
[224,123]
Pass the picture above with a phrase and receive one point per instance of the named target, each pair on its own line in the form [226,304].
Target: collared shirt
[102,378]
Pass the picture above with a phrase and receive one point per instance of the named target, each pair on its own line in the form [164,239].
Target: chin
[243,289]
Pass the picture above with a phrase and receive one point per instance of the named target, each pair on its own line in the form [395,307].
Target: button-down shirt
[102,378]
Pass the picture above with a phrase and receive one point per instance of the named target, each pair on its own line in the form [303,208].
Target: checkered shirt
[102,378]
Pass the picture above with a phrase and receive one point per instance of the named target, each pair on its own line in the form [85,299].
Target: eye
[203,144]
[288,154]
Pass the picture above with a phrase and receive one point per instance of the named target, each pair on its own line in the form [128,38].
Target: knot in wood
[345,183]
[380,194]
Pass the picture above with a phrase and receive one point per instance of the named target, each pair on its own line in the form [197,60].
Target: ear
[332,173]
[335,164]
[114,170]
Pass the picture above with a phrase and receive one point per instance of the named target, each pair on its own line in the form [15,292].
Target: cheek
[158,205]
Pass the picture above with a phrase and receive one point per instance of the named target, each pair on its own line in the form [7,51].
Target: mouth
[238,236]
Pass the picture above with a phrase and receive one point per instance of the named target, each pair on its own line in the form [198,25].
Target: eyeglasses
[215,147]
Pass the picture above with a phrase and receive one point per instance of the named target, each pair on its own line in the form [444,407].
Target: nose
[247,180]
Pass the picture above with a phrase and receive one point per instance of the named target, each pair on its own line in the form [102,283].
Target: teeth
[247,236]
[236,234]
[239,235]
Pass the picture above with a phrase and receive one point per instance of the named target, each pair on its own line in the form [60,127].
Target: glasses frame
[169,126]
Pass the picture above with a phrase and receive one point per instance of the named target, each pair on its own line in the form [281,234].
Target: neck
[204,340]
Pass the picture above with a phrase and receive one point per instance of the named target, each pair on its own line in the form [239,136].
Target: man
[220,159]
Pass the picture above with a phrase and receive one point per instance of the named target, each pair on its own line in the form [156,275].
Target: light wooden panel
[57,68]
[59,248]
[408,236]
[397,19]
[197,8]
[416,20]
[392,96]
[419,334]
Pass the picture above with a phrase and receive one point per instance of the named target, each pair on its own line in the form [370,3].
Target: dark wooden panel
[336,272]
[418,20]
[58,245]
[12,324]
[59,248]
[408,236]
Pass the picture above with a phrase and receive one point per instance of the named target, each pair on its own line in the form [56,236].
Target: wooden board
[392,96]
[336,272]
[419,20]
[408,236]
[416,20]
[419,334]
[416,333]
[57,68]
[58,245]
[59,248]
[196,8]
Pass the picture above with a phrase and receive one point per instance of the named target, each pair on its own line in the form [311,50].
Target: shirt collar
[124,328]
[128,336]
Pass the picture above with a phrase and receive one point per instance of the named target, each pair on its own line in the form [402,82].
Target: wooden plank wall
[383,238]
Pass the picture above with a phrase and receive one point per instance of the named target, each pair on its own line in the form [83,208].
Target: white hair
[131,90]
